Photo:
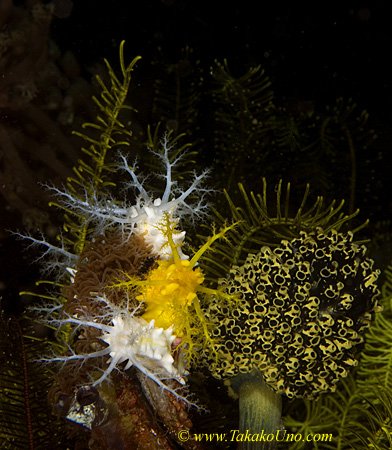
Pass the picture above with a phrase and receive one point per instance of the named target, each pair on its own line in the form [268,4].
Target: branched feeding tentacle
[126,338]
[54,257]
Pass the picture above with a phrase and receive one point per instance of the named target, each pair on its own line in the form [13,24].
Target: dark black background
[317,52]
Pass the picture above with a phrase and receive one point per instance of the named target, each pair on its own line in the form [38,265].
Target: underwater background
[261,91]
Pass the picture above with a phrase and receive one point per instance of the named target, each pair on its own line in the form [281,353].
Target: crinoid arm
[260,224]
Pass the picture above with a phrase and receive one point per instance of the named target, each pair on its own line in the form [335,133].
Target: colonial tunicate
[301,311]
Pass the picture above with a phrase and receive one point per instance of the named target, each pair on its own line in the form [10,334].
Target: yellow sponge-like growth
[171,293]
[170,289]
